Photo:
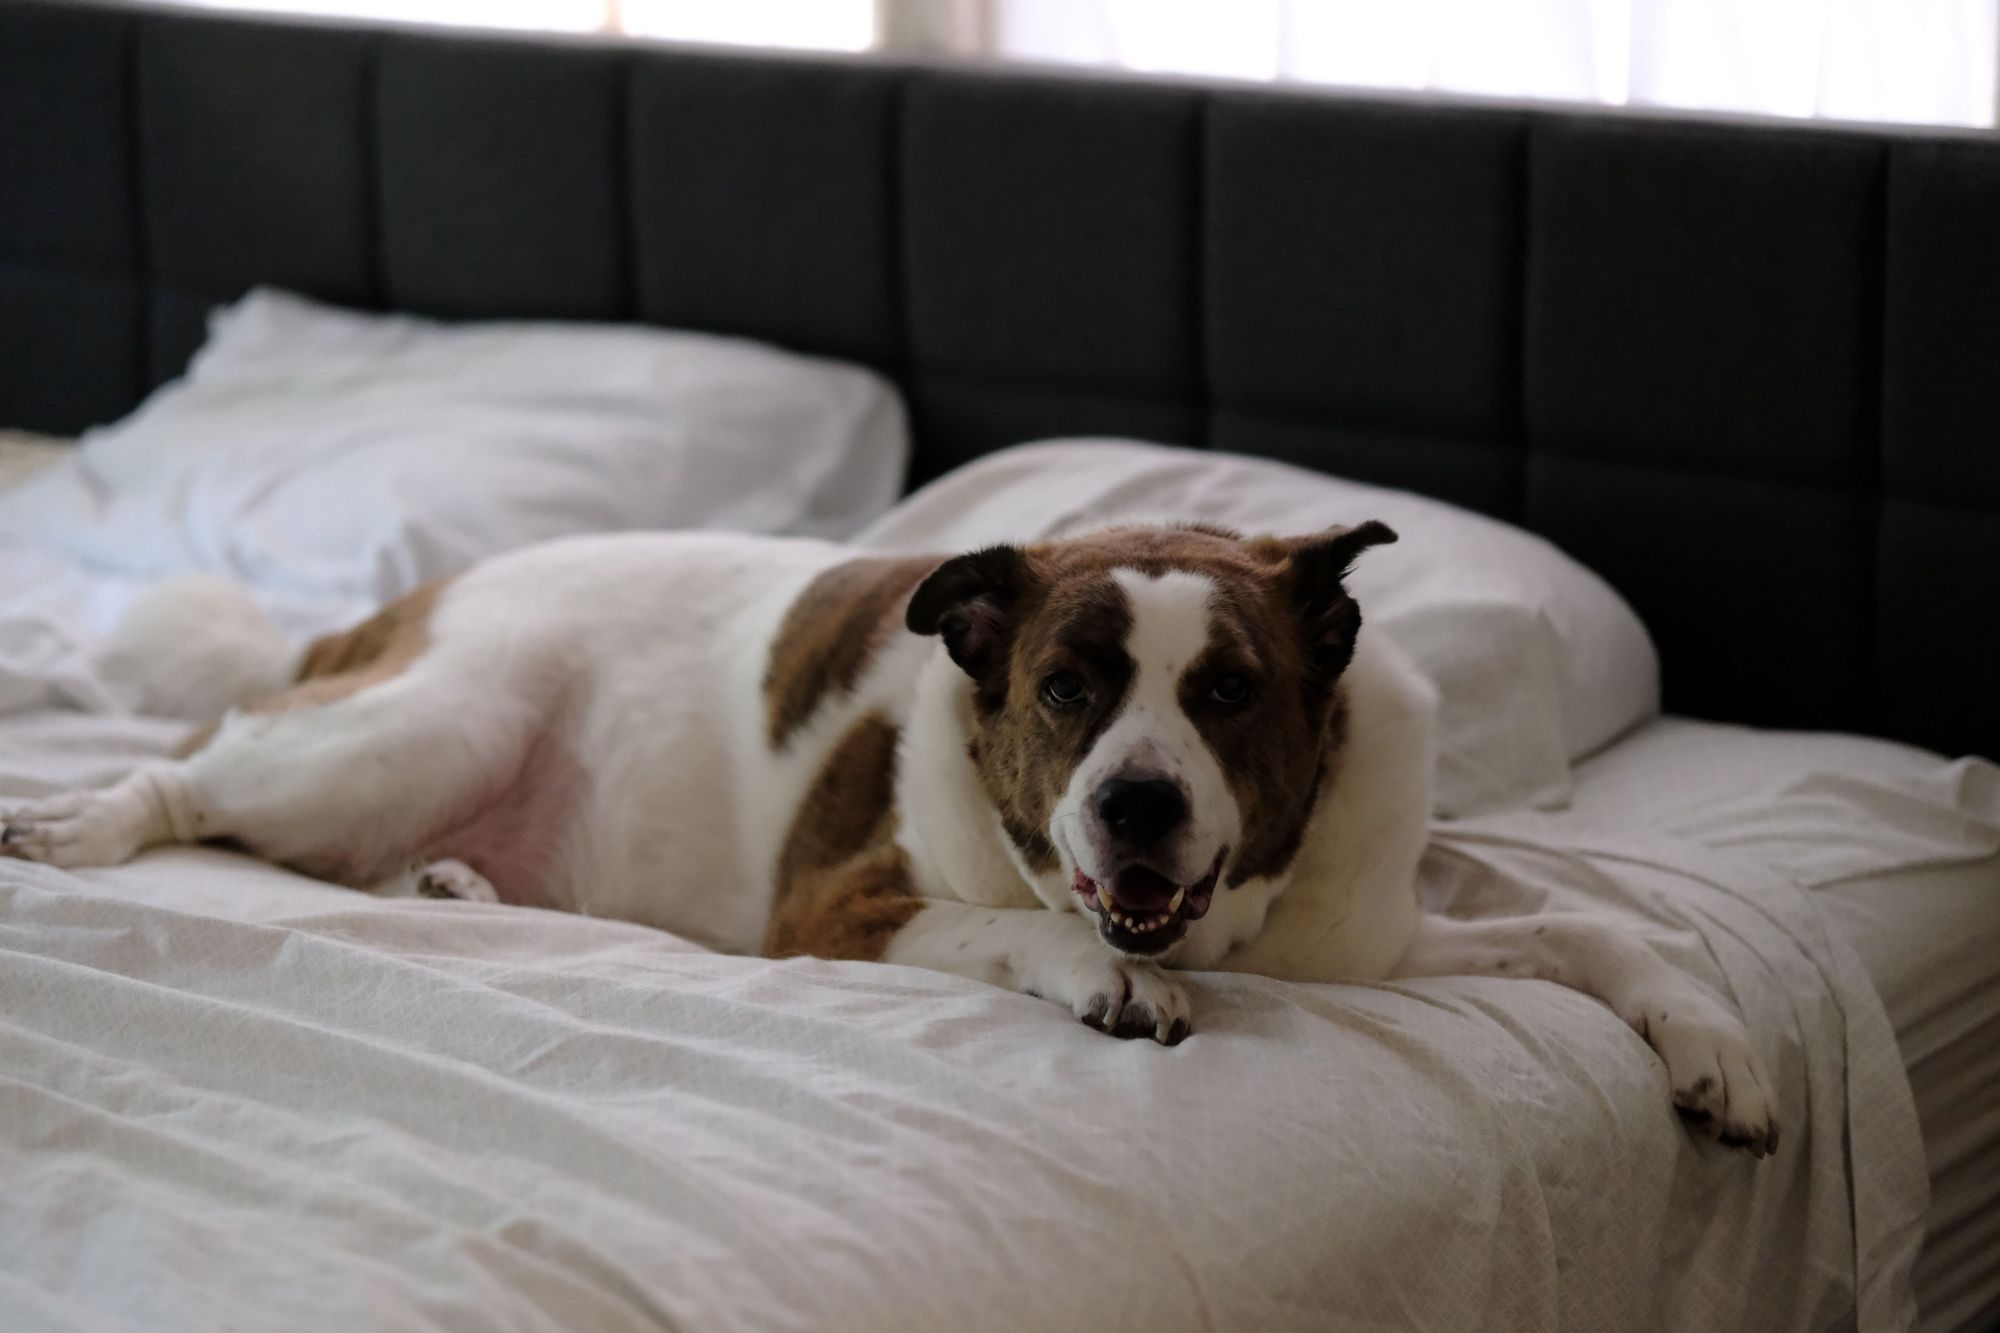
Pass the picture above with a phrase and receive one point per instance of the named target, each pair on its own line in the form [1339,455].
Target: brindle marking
[1279,616]
[1271,838]
[831,633]
[843,886]
[338,665]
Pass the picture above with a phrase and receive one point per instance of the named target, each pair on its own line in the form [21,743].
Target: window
[1926,61]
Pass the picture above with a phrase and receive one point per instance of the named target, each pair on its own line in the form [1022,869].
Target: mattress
[231,1096]
[1901,850]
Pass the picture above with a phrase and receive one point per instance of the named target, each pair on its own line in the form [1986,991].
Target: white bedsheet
[231,1097]
[1902,851]
[54,615]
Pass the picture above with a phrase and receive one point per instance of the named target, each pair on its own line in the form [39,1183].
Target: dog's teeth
[1175,905]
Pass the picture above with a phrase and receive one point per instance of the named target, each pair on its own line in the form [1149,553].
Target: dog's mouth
[1141,911]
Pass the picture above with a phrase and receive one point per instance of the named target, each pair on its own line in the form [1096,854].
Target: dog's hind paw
[454,879]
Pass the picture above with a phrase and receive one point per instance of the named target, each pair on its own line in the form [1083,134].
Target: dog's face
[1151,707]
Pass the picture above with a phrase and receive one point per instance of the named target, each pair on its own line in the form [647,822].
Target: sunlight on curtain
[1928,61]
[826,25]
[822,25]
[1900,60]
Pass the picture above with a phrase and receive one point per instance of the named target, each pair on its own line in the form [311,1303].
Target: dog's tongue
[1138,889]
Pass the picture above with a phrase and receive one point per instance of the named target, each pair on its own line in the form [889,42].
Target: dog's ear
[969,601]
[1316,572]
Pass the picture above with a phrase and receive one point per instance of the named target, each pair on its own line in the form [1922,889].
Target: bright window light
[820,25]
[537,15]
[1930,61]
[1920,61]
[824,25]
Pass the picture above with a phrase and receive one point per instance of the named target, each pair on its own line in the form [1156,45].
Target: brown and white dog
[1063,768]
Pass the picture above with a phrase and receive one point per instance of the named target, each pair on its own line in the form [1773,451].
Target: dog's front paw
[1126,997]
[75,829]
[1719,1086]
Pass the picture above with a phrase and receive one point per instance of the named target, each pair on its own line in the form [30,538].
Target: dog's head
[1151,706]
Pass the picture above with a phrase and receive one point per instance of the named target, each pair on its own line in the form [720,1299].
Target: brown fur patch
[197,740]
[831,633]
[843,886]
[1273,830]
[847,806]
[337,665]
[1025,754]
[381,645]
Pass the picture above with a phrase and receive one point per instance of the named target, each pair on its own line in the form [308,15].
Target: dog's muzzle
[1141,911]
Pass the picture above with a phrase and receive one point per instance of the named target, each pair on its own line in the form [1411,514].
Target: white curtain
[822,25]
[1928,61]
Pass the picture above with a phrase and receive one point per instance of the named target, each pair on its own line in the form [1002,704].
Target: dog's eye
[1230,690]
[1062,689]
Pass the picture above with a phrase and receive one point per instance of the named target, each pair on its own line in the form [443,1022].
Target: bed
[1737,368]
[237,1097]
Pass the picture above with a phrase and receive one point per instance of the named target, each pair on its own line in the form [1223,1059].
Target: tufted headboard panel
[1748,371]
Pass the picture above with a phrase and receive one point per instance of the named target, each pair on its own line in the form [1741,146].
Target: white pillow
[1536,660]
[319,451]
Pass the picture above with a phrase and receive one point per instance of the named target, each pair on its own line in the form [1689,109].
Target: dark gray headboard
[1749,372]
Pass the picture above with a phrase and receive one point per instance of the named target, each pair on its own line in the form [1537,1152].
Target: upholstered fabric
[1746,371]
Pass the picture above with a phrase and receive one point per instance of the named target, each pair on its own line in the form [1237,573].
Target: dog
[1068,768]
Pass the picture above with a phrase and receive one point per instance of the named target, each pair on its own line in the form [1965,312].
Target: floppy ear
[969,602]
[1330,618]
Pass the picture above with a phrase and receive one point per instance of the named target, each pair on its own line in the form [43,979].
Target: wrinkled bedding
[233,1097]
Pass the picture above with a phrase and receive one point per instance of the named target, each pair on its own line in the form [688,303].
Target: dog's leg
[1055,955]
[345,789]
[1718,1084]
[865,909]
[102,827]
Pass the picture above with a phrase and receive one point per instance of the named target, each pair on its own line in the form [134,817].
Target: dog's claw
[1136,1021]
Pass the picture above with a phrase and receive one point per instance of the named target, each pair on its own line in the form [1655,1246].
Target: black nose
[1141,811]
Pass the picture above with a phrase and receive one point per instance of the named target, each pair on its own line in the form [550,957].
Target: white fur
[1151,736]
[1055,955]
[193,645]
[1712,1070]
[946,825]
[1347,906]
[448,878]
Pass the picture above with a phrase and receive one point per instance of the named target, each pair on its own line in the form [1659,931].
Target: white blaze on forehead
[1169,625]
[1152,735]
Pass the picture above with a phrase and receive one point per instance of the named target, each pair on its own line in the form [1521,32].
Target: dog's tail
[195,646]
